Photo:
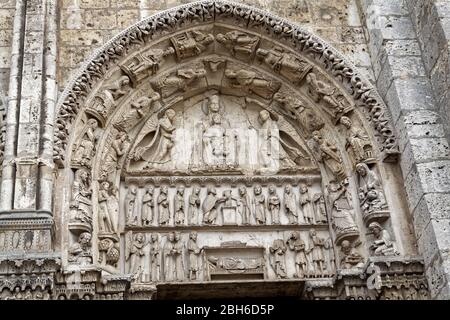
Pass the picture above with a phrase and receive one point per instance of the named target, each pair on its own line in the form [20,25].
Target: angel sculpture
[158,151]
[135,254]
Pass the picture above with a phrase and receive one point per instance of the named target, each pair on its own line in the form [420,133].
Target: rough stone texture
[7,11]
[410,62]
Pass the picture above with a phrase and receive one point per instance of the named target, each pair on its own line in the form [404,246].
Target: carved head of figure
[193,236]
[104,185]
[164,189]
[317,137]
[177,236]
[171,237]
[122,136]
[124,81]
[272,189]
[257,189]
[295,235]
[264,115]
[84,239]
[154,237]
[312,233]
[139,238]
[82,175]
[346,247]
[303,188]
[375,228]
[211,190]
[346,122]
[133,189]
[180,190]
[150,189]
[196,191]
[242,190]
[92,123]
[214,105]
[170,114]
[362,169]
[287,189]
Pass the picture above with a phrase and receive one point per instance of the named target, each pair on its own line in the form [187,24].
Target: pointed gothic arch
[129,120]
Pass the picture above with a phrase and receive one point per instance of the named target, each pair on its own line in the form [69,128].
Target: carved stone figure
[113,207]
[329,155]
[278,251]
[351,258]
[118,88]
[173,258]
[240,44]
[114,150]
[244,205]
[144,64]
[335,104]
[148,207]
[210,206]
[296,244]
[194,255]
[274,203]
[81,204]
[259,203]
[158,151]
[109,250]
[358,140]
[274,151]
[251,82]
[290,205]
[371,191]
[105,223]
[178,204]
[155,257]
[288,65]
[85,149]
[306,205]
[80,252]
[382,245]
[163,206]
[137,111]
[192,43]
[214,143]
[341,212]
[136,254]
[181,80]
[316,249]
[130,206]
[320,209]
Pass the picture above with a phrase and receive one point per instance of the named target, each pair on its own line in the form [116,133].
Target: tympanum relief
[221,164]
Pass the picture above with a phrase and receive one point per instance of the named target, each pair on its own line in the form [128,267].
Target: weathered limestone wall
[86,25]
[402,70]
[7,10]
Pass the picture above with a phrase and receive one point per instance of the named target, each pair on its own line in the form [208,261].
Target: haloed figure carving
[130,206]
[274,203]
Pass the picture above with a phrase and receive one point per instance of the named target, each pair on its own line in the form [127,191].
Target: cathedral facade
[211,149]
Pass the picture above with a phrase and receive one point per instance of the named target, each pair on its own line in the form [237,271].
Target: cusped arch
[203,14]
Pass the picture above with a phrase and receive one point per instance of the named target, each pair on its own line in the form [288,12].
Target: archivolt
[324,57]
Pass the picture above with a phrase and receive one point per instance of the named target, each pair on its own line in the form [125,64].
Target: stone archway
[217,142]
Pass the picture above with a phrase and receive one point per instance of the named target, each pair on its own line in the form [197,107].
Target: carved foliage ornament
[207,11]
